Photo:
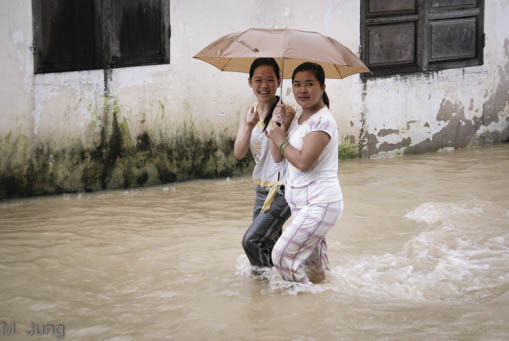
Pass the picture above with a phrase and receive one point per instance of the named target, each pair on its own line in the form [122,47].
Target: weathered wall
[91,130]
[433,111]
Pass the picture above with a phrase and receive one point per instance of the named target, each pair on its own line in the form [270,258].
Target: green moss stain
[8,137]
[163,112]
[348,151]
[116,159]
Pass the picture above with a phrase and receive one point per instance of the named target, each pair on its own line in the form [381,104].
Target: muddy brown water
[421,253]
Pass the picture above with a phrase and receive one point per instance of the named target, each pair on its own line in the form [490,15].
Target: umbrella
[290,48]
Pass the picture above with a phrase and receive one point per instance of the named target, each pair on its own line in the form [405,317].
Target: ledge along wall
[138,126]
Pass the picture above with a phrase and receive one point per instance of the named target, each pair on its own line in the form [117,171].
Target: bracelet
[282,151]
[283,146]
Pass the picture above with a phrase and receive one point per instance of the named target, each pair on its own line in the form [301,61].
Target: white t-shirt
[266,170]
[320,184]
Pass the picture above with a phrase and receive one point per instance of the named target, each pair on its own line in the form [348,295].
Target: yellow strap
[271,195]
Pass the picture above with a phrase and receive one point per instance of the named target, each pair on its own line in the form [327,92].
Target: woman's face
[307,90]
[264,83]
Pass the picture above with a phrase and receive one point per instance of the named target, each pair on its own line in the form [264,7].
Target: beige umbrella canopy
[290,48]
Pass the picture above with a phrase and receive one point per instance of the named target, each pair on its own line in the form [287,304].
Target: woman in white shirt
[270,214]
[312,186]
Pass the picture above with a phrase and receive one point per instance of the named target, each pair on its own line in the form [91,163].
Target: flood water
[421,253]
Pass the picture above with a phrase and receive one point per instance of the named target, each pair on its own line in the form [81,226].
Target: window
[401,36]
[72,35]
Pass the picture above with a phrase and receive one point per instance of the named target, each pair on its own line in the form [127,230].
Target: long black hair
[318,72]
[272,63]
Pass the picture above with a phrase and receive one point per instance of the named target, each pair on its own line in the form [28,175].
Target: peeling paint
[385,132]
[496,107]
[458,131]
[458,122]
[387,147]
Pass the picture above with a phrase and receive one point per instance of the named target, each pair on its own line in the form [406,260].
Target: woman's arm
[285,115]
[274,150]
[246,124]
[314,144]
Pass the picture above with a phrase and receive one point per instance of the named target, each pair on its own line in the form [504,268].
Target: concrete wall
[442,110]
[91,130]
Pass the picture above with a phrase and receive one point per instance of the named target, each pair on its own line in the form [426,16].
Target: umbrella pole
[281,86]
[282,78]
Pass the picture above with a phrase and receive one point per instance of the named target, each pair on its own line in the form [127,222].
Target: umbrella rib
[225,64]
[338,69]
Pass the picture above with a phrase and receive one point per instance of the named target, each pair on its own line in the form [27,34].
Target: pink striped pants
[302,247]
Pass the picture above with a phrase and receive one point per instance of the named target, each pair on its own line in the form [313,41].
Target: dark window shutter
[140,32]
[454,33]
[389,31]
[383,7]
[66,35]
[73,35]
[399,36]
[453,4]
[391,44]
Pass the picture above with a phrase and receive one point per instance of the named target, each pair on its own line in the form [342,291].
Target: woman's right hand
[252,116]
[284,114]
[246,124]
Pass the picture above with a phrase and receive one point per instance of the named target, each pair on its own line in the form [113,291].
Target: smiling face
[264,83]
[308,91]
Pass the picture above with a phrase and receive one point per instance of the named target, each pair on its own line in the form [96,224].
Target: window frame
[423,16]
[105,38]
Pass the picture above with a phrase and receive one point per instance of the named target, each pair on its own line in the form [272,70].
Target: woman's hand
[284,114]
[247,122]
[252,116]
[276,133]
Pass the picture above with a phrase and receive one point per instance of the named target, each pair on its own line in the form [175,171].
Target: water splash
[449,260]
[277,285]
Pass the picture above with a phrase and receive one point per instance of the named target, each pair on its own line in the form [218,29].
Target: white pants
[302,247]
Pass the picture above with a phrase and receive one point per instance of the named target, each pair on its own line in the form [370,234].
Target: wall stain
[385,132]
[367,141]
[388,147]
[458,132]
[116,160]
[497,104]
